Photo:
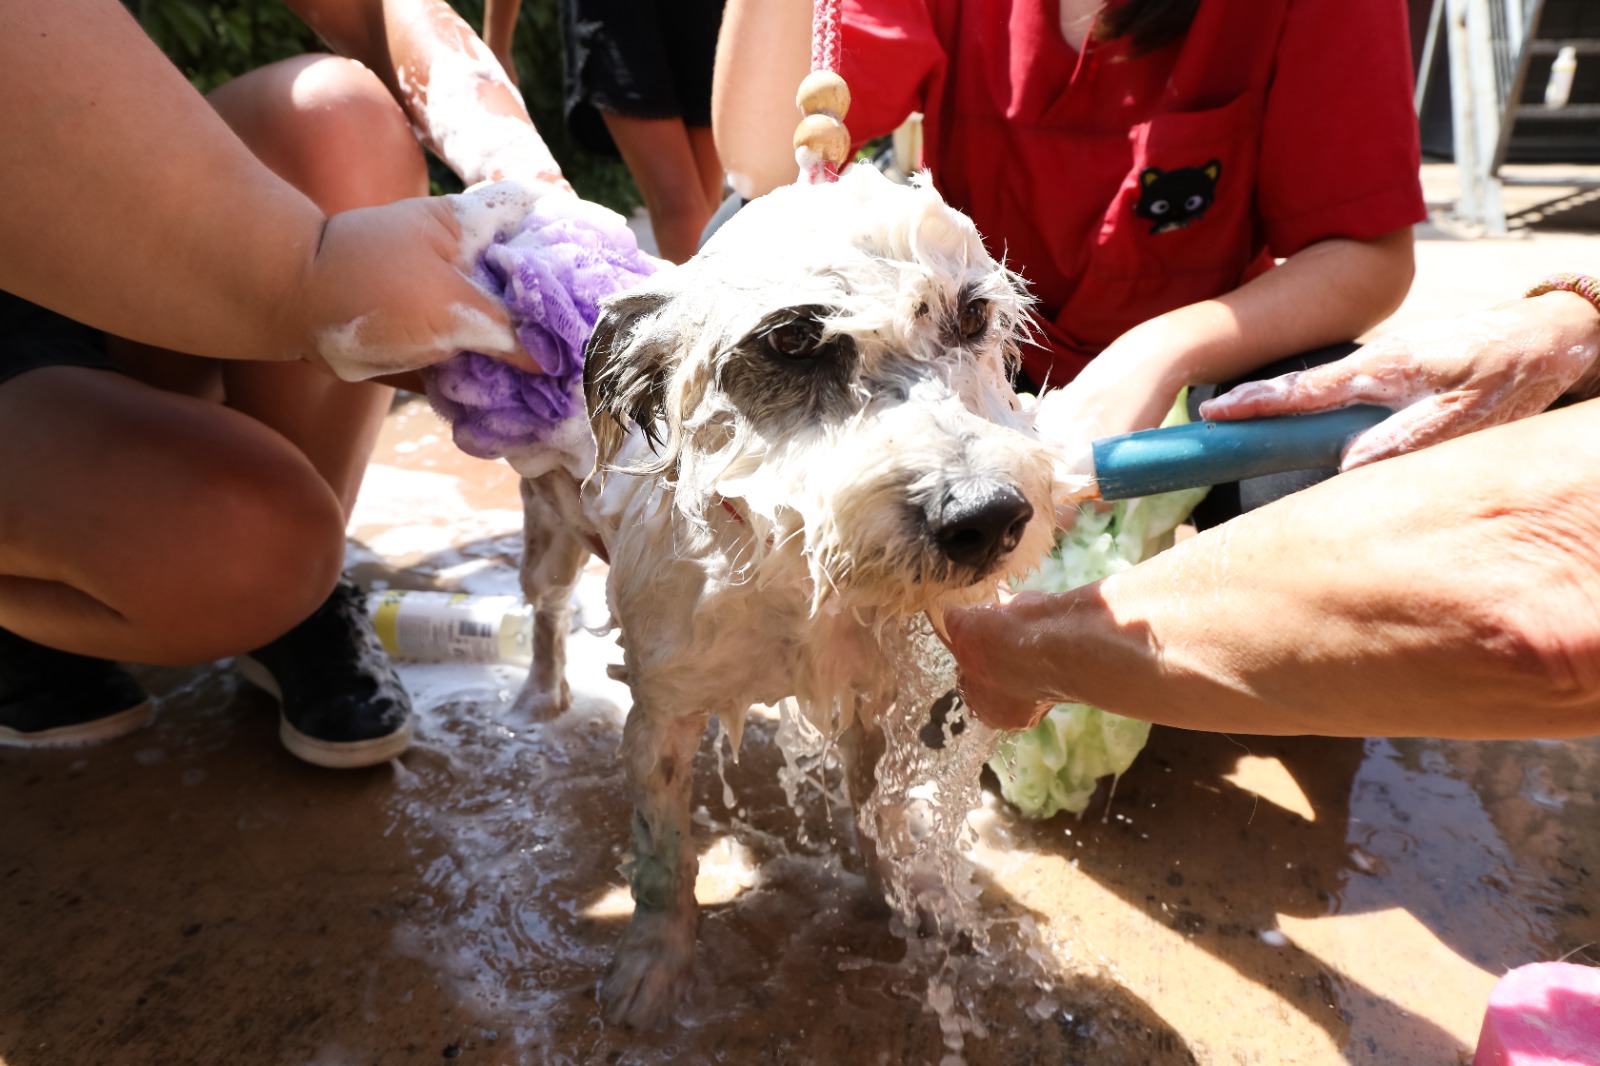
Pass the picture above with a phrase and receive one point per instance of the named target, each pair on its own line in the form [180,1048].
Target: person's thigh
[1229,501]
[146,526]
[329,127]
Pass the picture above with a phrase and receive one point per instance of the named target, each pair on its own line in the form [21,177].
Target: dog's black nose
[980,521]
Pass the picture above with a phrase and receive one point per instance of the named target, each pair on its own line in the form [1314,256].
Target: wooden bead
[825,136]
[823,91]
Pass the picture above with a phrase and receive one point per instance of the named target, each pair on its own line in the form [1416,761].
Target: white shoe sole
[351,755]
[83,734]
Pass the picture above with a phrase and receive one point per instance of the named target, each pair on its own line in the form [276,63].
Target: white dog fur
[805,433]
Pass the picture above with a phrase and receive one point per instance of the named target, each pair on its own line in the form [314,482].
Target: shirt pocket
[1183,220]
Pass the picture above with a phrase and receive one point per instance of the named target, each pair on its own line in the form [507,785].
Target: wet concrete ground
[194,895]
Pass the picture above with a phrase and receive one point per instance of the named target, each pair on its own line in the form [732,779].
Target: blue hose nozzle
[1214,453]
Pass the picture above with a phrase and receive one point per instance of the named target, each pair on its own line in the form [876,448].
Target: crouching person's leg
[329,127]
[137,525]
[232,522]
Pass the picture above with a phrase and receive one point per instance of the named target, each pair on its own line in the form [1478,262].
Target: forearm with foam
[460,99]
[1400,599]
[1585,311]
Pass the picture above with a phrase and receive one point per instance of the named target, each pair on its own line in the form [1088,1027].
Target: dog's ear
[626,367]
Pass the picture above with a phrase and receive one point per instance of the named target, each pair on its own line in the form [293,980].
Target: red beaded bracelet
[1578,284]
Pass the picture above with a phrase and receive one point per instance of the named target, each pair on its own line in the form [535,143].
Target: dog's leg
[890,831]
[552,558]
[654,960]
[860,749]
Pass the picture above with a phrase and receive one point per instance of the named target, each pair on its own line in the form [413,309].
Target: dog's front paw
[652,969]
[541,703]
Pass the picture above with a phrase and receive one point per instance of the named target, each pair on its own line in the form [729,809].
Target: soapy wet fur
[806,434]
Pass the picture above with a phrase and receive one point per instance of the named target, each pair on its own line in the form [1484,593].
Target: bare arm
[1453,592]
[1330,291]
[460,99]
[1443,379]
[763,53]
[129,205]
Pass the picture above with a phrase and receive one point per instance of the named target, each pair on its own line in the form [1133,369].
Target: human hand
[994,645]
[1444,379]
[1104,401]
[394,288]
[1123,389]
[1071,457]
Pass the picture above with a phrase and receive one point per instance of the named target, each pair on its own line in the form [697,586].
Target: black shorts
[32,337]
[637,58]
[1228,501]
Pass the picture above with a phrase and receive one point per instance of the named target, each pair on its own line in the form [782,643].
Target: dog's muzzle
[978,522]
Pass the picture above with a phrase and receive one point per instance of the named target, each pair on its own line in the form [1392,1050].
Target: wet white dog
[805,433]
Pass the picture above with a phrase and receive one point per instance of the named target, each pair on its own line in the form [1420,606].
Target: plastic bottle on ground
[440,627]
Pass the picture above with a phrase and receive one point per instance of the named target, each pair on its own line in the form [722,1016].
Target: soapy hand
[995,648]
[395,288]
[1056,420]
[1096,404]
[1129,386]
[1444,379]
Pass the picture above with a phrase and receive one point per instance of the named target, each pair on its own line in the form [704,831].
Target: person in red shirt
[1143,166]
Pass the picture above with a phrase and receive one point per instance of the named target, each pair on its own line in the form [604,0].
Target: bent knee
[328,126]
[263,547]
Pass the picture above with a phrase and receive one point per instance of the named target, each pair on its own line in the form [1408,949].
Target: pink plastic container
[1543,1014]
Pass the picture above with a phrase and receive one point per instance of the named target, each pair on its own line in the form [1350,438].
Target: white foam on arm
[465,107]
[358,350]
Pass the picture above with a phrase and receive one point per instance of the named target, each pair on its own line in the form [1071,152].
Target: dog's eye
[800,338]
[974,320]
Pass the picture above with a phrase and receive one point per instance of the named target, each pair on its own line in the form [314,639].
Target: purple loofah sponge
[552,275]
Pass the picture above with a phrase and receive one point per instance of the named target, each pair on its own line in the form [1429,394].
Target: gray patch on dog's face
[967,324]
[790,371]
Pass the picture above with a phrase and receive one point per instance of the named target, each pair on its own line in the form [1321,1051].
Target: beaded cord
[821,141]
[1578,284]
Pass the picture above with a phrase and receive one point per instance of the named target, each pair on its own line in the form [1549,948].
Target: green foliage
[212,41]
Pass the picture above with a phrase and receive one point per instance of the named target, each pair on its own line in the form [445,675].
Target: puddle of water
[195,895]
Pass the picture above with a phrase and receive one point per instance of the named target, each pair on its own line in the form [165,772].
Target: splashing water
[917,818]
[926,783]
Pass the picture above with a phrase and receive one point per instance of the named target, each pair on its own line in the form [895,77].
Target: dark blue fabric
[1232,500]
[32,337]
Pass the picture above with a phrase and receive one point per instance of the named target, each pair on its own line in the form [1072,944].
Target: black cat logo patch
[1172,199]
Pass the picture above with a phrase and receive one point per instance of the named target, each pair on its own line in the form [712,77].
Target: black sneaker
[343,706]
[54,699]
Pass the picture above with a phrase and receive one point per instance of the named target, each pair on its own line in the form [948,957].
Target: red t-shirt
[1122,186]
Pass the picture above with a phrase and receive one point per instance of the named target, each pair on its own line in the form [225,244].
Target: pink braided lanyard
[826,19]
